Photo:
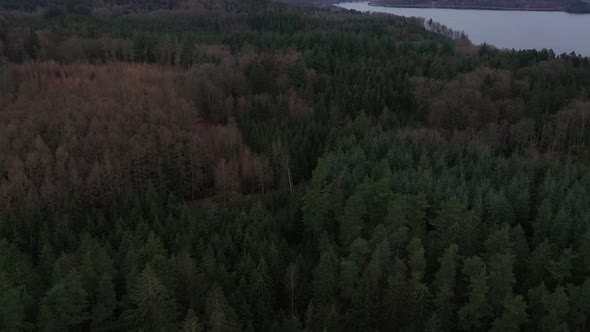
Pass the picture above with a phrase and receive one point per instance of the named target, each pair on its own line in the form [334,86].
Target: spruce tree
[476,310]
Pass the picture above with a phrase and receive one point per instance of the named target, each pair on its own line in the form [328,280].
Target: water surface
[562,32]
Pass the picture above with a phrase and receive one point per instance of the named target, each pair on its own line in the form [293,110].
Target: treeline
[543,5]
[260,167]
[86,7]
[444,30]
[579,7]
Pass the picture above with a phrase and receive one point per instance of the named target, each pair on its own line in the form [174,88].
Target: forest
[201,165]
[570,6]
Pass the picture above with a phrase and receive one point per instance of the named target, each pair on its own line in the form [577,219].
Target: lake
[562,32]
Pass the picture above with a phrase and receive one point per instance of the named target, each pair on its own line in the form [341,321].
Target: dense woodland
[251,166]
[571,6]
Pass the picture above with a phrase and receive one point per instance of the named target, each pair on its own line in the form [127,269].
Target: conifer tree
[513,315]
[501,279]
[103,312]
[325,277]
[66,303]
[191,323]
[13,303]
[153,307]
[444,283]
[222,317]
[316,199]
[352,221]
[477,309]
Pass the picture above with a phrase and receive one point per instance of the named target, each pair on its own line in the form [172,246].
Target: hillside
[573,6]
[202,165]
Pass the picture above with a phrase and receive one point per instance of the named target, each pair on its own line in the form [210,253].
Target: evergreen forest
[251,165]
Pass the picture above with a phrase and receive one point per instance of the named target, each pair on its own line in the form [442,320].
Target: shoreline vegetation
[434,6]
[575,8]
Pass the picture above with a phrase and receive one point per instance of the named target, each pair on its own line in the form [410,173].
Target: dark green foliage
[316,204]
[222,316]
[513,316]
[474,313]
[65,306]
[352,223]
[152,306]
[445,312]
[103,312]
[325,278]
[13,303]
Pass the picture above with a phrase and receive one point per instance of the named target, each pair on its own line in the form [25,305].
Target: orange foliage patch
[93,129]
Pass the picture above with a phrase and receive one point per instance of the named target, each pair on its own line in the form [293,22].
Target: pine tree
[501,279]
[320,61]
[191,285]
[416,212]
[153,248]
[416,260]
[584,253]
[191,323]
[46,258]
[262,294]
[349,275]
[47,320]
[325,277]
[538,264]
[543,226]
[153,308]
[397,295]
[455,224]
[222,317]
[444,283]
[561,269]
[477,309]
[352,222]
[106,303]
[535,304]
[579,306]
[499,241]
[298,74]
[513,317]
[67,303]
[396,213]
[359,251]
[368,300]
[499,209]
[88,273]
[420,306]
[316,199]
[521,251]
[556,310]
[13,301]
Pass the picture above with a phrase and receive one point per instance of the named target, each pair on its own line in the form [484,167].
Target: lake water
[559,31]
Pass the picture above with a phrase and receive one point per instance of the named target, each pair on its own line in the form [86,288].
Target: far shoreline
[426,6]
